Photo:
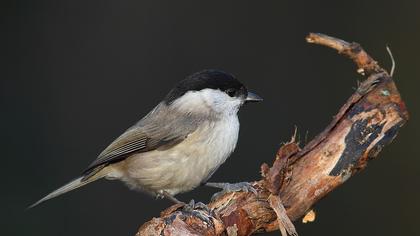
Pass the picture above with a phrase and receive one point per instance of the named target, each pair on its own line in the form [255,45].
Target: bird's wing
[160,128]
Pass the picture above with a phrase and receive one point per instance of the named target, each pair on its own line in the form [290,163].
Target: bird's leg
[171,198]
[228,187]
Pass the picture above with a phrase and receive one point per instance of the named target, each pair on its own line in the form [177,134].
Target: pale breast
[186,165]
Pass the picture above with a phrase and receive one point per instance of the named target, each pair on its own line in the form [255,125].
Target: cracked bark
[299,177]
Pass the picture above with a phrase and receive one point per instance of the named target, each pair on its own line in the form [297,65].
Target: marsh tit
[179,144]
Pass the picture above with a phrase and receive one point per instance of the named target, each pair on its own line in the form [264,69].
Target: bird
[178,145]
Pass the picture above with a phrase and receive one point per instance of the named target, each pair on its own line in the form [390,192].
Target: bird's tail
[74,184]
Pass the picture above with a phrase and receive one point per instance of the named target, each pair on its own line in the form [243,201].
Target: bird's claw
[241,186]
[192,206]
[236,187]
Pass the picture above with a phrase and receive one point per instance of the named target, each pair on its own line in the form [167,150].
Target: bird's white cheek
[228,107]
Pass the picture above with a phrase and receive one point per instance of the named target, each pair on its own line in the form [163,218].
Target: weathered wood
[368,121]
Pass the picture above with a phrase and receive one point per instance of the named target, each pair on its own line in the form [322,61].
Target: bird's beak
[252,97]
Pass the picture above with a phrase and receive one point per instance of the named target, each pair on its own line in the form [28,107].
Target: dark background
[78,73]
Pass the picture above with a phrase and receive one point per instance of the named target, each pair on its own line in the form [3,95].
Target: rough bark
[299,177]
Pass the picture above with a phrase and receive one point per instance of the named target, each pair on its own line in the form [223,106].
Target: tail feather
[72,185]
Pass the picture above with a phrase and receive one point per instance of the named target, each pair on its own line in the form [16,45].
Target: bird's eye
[231,92]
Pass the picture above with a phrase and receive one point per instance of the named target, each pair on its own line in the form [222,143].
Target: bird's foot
[192,205]
[228,187]
[192,208]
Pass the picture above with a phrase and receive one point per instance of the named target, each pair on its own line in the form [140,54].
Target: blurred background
[76,74]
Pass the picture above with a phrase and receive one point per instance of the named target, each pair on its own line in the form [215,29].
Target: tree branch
[298,178]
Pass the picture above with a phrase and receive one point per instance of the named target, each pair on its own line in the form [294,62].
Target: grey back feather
[163,127]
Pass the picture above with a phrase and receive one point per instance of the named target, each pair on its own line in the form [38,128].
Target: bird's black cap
[213,79]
